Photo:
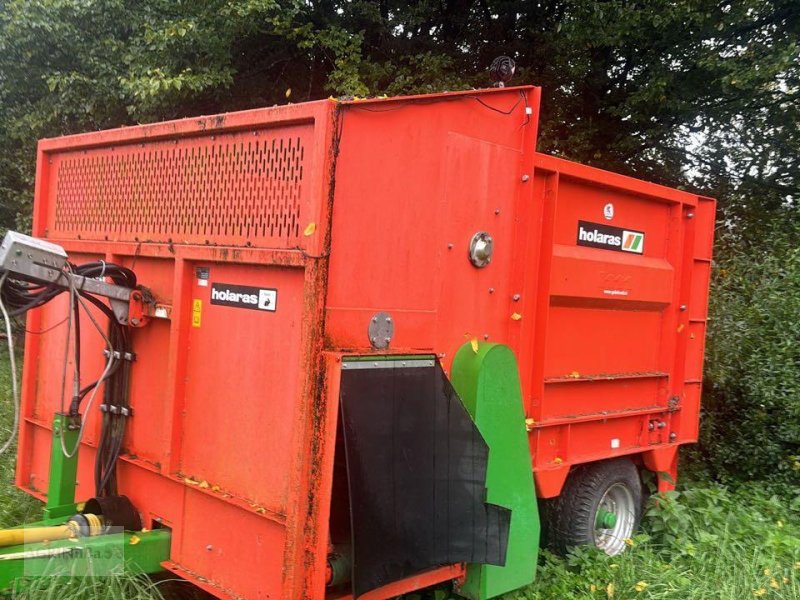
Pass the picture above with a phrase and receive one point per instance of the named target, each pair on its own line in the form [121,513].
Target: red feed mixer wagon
[349,349]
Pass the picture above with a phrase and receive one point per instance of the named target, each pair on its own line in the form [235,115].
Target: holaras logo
[632,241]
[242,296]
[597,235]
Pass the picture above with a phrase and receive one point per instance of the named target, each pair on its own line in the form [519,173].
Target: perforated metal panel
[243,188]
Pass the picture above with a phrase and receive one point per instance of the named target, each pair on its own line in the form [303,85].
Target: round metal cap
[481,248]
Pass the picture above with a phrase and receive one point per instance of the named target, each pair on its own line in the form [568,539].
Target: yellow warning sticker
[197,312]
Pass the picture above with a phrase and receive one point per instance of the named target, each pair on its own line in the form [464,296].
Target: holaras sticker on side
[598,235]
[243,296]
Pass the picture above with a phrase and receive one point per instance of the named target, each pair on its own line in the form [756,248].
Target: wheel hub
[615,519]
[605,520]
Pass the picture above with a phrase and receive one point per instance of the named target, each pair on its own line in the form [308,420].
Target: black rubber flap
[417,471]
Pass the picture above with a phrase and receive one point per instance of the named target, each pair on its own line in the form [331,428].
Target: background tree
[701,94]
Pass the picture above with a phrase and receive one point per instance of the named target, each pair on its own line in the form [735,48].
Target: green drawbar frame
[487,380]
[134,552]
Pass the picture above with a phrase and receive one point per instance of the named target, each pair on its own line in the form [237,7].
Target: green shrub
[698,544]
[751,420]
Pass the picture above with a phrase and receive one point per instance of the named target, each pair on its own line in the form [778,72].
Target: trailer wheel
[601,504]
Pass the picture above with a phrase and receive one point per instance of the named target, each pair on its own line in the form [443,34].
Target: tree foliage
[697,93]
[752,402]
[703,94]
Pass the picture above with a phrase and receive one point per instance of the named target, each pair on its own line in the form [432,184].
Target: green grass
[705,542]
[15,506]
[114,587]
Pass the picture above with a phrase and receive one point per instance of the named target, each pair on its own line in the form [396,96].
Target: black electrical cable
[112,323]
[21,296]
[74,407]
[115,398]
[115,419]
[47,329]
[425,101]
[113,429]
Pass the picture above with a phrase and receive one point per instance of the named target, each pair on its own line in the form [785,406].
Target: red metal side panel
[415,180]
[225,442]
[697,313]
[621,331]
[609,340]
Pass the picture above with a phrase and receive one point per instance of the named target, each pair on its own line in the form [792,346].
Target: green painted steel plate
[488,383]
[114,554]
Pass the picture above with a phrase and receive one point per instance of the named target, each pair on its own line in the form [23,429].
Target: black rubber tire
[569,519]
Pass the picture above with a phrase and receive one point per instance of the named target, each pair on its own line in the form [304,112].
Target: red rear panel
[222,442]
[621,320]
